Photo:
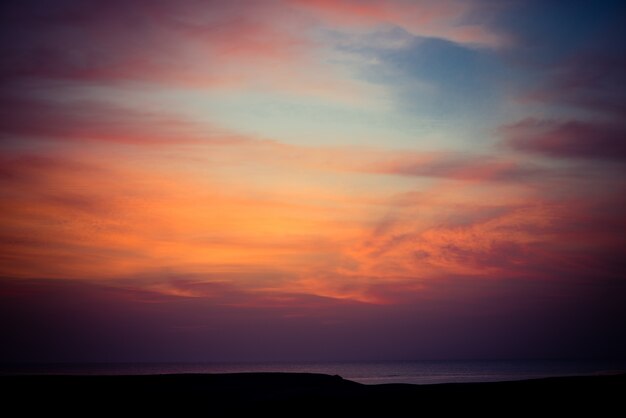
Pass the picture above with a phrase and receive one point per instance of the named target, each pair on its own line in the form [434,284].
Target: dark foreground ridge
[302,394]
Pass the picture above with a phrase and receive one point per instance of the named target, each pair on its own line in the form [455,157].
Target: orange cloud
[118,219]
[89,216]
[346,223]
[191,209]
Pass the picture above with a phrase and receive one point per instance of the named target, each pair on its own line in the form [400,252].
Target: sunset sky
[312,180]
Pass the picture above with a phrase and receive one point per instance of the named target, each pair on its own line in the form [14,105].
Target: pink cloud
[246,45]
[541,239]
[457,167]
[84,121]
[29,168]
[406,163]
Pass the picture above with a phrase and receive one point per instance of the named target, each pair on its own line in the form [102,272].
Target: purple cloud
[571,139]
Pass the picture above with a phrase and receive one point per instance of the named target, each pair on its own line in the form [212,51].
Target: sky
[312,180]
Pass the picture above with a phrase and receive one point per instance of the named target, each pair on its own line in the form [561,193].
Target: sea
[413,372]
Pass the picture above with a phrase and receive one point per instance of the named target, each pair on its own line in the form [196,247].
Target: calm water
[423,372]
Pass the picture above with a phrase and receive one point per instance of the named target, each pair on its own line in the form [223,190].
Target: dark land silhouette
[303,394]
